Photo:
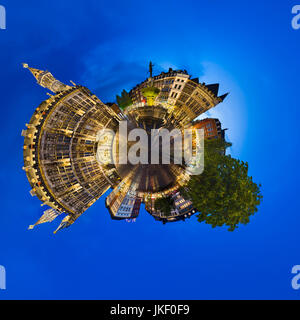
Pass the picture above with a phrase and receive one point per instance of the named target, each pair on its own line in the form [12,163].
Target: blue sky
[252,50]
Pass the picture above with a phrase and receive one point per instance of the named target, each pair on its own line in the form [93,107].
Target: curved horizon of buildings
[61,143]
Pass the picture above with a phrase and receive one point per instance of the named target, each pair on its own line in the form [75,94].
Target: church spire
[36,72]
[66,222]
[46,80]
[48,216]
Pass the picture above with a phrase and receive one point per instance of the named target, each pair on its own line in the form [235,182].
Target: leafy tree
[124,100]
[223,194]
[164,205]
[150,93]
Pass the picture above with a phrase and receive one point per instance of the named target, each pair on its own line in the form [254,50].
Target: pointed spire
[223,97]
[36,72]
[46,80]
[64,224]
[48,216]
[214,88]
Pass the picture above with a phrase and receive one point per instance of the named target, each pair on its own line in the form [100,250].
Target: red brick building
[212,128]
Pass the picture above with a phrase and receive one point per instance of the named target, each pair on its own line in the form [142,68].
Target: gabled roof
[214,88]
[223,96]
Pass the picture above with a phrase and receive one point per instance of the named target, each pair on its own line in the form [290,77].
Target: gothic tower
[46,80]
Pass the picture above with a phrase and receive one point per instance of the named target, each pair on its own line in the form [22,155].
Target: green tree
[164,205]
[124,100]
[150,93]
[223,194]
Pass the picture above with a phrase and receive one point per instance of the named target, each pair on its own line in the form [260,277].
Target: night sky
[250,48]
